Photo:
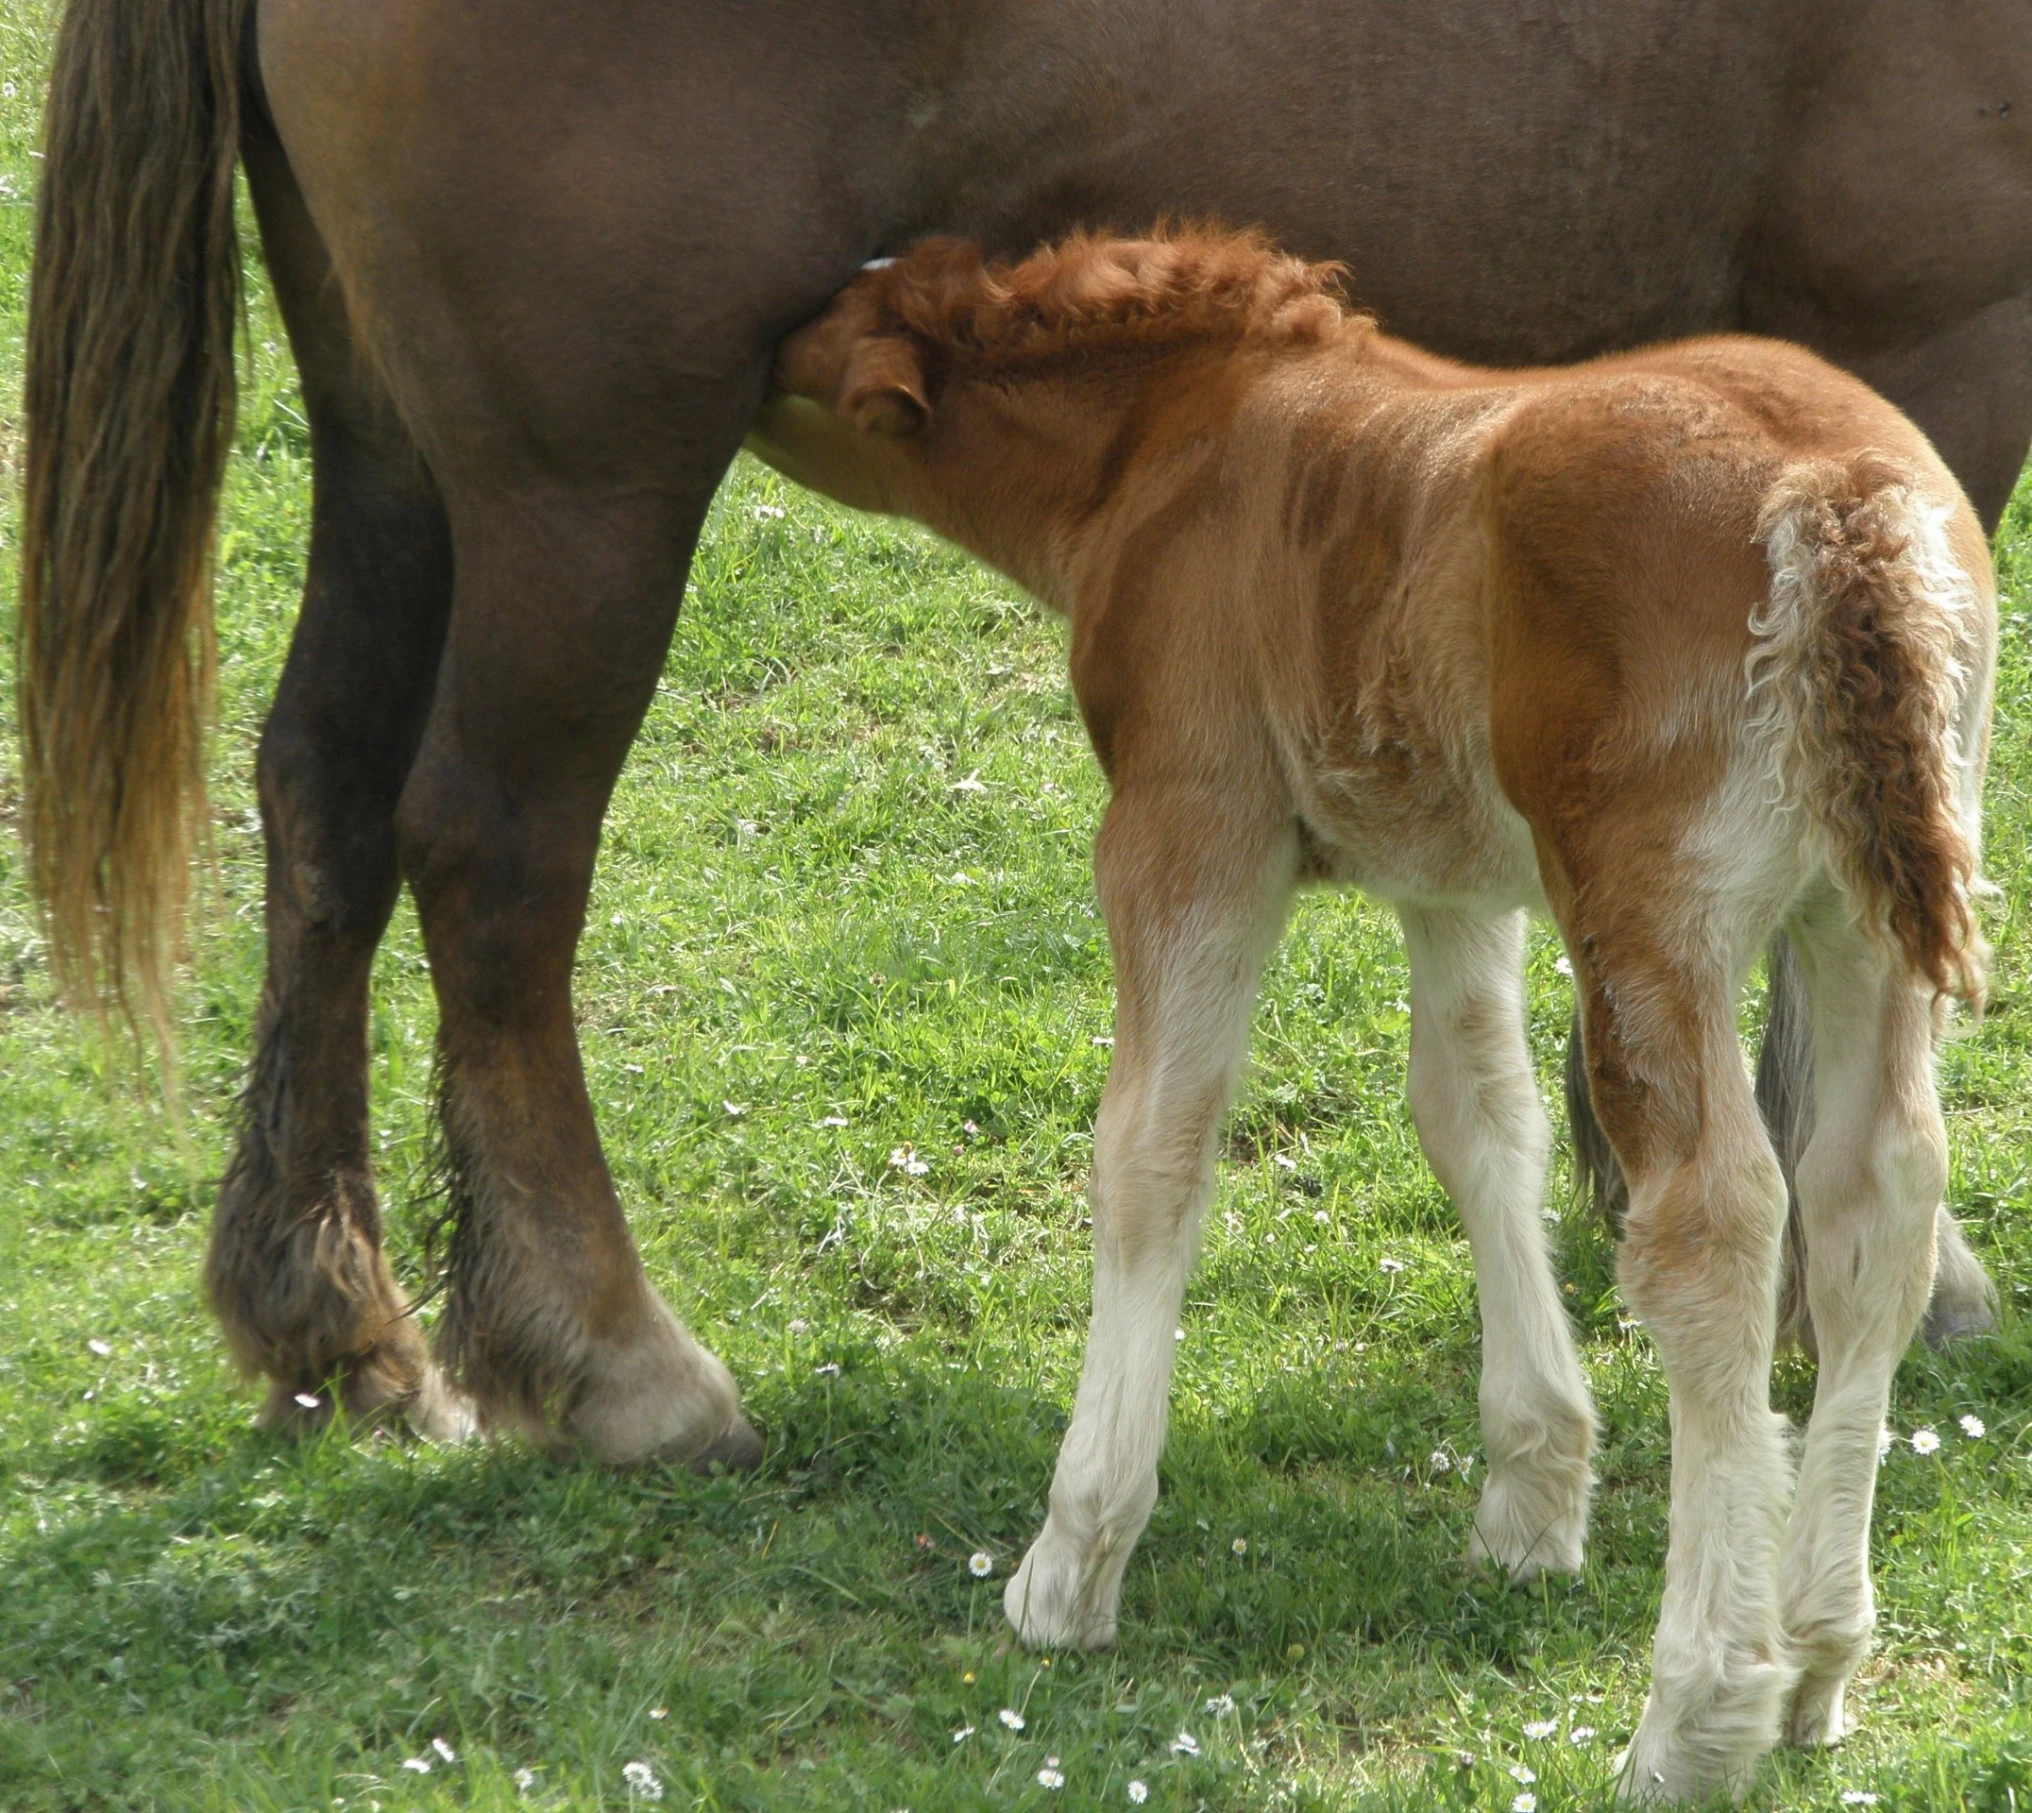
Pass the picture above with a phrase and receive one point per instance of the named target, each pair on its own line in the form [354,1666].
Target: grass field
[845,999]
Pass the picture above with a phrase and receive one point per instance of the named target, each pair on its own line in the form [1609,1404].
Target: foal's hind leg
[296,1273]
[1195,886]
[1964,1300]
[1658,965]
[1868,1185]
[1474,1098]
[563,609]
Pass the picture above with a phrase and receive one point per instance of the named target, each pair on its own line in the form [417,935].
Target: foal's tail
[132,309]
[1865,655]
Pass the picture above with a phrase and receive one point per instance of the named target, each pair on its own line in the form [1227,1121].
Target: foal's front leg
[1194,885]
[1474,1098]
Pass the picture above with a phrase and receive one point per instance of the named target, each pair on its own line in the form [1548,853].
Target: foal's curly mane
[1182,284]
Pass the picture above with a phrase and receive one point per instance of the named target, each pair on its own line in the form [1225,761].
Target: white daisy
[641,1780]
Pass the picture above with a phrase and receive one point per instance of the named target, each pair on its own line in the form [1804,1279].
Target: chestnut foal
[1687,647]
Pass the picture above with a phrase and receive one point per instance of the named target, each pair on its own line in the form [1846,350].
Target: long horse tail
[1864,659]
[133,305]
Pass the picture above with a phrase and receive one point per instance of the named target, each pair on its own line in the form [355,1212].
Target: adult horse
[533,259]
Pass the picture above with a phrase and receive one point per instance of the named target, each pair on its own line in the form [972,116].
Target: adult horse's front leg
[1194,886]
[561,616]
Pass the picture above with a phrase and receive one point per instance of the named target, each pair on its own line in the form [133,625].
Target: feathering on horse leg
[561,617]
[1194,904]
[296,1272]
[1869,1183]
[1474,1098]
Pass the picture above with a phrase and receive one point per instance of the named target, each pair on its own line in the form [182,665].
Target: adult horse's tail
[132,311]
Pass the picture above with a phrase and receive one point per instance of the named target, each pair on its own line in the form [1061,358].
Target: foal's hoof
[1964,1301]
[1064,1594]
[1960,1316]
[738,1449]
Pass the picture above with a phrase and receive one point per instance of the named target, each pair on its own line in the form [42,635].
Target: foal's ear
[882,388]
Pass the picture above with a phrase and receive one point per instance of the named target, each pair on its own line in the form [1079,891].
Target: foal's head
[990,399]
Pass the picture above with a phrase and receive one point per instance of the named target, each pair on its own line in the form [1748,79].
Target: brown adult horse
[533,259]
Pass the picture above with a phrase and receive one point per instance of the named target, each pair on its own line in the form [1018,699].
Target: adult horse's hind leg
[562,612]
[296,1272]
[1474,1097]
[1195,883]
[1868,1184]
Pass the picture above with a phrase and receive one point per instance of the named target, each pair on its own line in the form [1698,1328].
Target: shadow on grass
[187,1598]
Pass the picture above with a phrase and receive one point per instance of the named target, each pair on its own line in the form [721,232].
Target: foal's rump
[1729,632]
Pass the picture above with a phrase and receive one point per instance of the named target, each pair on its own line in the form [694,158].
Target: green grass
[846,882]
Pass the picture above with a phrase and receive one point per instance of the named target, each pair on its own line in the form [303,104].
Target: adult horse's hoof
[738,1449]
[374,1399]
[438,1412]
